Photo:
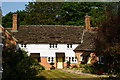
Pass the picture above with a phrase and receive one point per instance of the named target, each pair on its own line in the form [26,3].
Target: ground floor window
[50,59]
[81,58]
[71,59]
[100,60]
[36,56]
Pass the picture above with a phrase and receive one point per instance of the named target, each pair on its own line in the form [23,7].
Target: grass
[61,75]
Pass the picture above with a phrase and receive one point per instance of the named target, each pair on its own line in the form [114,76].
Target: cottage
[56,44]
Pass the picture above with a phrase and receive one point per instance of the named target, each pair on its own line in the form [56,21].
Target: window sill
[71,62]
[53,48]
[69,48]
[50,62]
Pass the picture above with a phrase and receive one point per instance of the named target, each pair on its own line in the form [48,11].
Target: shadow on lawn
[40,78]
[43,78]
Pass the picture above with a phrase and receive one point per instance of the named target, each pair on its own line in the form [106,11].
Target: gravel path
[81,73]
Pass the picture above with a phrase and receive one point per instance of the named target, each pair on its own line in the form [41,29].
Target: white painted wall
[45,51]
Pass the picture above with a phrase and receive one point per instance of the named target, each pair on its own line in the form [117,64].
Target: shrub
[68,64]
[38,67]
[51,63]
[88,68]
[82,65]
[19,66]
[52,67]
[94,68]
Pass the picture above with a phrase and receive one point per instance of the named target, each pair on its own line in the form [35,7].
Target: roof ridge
[57,25]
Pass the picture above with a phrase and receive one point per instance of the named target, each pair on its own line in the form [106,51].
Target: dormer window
[53,45]
[69,45]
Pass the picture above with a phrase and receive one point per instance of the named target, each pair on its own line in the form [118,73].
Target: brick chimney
[14,24]
[87,22]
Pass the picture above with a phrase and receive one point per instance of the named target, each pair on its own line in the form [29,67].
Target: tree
[7,19]
[19,66]
[56,13]
[108,42]
[0,15]
[73,13]
[42,13]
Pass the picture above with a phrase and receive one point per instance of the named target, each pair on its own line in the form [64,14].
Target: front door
[59,63]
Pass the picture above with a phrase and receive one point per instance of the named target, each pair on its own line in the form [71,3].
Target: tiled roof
[88,42]
[48,34]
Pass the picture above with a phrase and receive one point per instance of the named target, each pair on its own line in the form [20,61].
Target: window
[50,59]
[71,59]
[23,45]
[53,45]
[36,56]
[69,45]
[100,60]
[81,58]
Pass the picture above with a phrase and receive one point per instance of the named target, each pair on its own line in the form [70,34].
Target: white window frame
[53,46]
[81,58]
[100,61]
[50,60]
[69,46]
[71,59]
[23,45]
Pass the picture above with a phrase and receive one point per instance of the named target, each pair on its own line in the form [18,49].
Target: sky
[12,7]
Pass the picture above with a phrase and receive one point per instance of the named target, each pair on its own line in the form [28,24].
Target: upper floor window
[69,45]
[23,45]
[53,45]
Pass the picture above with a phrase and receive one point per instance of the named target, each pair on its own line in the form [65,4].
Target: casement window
[100,60]
[71,59]
[50,59]
[81,58]
[69,45]
[23,45]
[53,45]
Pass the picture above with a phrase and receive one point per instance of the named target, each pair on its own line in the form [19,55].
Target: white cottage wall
[46,51]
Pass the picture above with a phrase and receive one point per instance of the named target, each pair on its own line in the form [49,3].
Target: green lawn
[61,75]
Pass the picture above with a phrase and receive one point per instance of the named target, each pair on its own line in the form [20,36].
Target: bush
[94,68]
[88,68]
[52,63]
[68,64]
[52,67]
[82,65]
[19,66]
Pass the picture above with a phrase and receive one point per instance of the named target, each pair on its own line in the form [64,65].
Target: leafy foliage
[19,66]
[7,19]
[0,16]
[94,68]
[49,13]
[73,13]
[108,43]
